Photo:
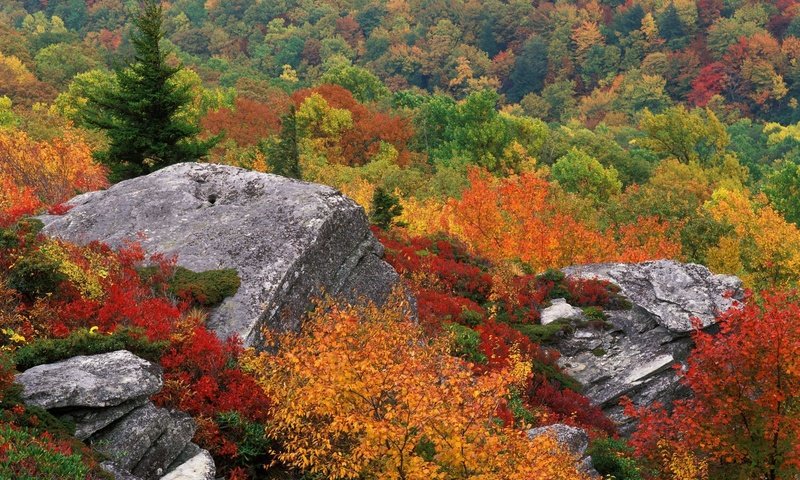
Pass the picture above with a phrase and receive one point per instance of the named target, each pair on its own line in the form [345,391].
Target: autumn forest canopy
[491,143]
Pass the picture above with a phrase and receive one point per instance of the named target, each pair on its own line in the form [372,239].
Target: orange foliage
[250,122]
[53,170]
[15,202]
[516,219]
[362,393]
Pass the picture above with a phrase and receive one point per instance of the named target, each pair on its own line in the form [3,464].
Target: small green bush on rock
[85,342]
[613,459]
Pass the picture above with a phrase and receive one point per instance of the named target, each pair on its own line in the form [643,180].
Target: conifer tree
[283,155]
[385,208]
[139,113]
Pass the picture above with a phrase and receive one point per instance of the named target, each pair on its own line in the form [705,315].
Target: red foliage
[744,380]
[590,292]
[712,80]
[16,202]
[569,406]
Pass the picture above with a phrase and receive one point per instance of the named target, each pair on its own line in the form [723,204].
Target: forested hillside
[490,143]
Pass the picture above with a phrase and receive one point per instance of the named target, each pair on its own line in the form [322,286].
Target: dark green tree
[283,155]
[671,27]
[385,208]
[530,70]
[140,114]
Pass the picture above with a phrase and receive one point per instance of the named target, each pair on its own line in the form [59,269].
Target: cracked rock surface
[288,240]
[636,355]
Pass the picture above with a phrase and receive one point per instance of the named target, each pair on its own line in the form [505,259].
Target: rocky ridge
[106,397]
[289,241]
[635,355]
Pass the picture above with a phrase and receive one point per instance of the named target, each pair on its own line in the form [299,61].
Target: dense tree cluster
[488,141]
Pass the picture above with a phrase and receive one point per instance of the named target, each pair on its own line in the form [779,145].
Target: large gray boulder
[106,380]
[636,355]
[288,240]
[671,292]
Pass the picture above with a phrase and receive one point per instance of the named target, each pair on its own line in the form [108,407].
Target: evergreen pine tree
[671,27]
[283,155]
[139,113]
[385,208]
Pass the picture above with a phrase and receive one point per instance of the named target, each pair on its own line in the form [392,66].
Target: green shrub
[28,457]
[471,317]
[552,373]
[84,342]
[206,288]
[25,229]
[252,442]
[521,413]
[613,459]
[466,343]
[551,275]
[545,333]
[35,276]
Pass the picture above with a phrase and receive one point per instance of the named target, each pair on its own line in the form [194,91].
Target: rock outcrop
[635,356]
[106,397]
[288,240]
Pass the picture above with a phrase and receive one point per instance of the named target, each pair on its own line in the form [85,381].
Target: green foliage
[466,343]
[545,334]
[579,173]
[252,443]
[783,190]
[385,208]
[207,288]
[551,275]
[25,231]
[522,414]
[85,342]
[614,459]
[140,116]
[364,86]
[35,276]
[283,155]
[24,448]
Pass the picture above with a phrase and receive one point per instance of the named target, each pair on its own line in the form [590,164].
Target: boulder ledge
[635,355]
[288,240]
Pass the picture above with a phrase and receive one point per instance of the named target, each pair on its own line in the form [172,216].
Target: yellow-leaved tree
[362,393]
[763,248]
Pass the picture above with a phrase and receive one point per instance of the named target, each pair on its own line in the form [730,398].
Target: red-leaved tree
[744,415]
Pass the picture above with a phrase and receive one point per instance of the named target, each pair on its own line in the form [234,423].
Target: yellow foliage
[681,464]
[768,246]
[423,217]
[88,278]
[362,393]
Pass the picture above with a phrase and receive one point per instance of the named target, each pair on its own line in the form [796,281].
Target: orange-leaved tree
[520,218]
[54,170]
[362,393]
[743,418]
